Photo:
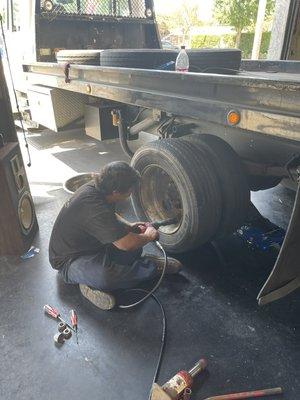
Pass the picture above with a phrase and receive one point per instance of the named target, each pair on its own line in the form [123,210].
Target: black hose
[163,335]
[163,342]
[155,287]
[123,136]
[164,320]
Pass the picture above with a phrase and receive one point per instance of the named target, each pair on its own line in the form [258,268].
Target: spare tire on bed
[80,57]
[137,58]
[221,61]
[201,60]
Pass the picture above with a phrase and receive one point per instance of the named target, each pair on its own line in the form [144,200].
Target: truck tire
[232,179]
[201,60]
[215,60]
[137,58]
[178,181]
[79,57]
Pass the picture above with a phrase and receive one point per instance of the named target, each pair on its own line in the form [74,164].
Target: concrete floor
[211,309]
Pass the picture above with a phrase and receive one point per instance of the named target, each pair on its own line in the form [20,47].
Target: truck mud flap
[285,277]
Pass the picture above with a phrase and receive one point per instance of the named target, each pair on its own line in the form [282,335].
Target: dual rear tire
[186,180]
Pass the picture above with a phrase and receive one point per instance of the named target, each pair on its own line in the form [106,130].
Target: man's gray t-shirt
[86,224]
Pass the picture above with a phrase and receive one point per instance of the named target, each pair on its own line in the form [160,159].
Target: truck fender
[285,277]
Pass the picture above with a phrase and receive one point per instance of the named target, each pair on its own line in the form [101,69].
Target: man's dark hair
[116,176]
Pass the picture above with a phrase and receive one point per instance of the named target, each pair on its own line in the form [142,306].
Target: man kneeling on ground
[94,247]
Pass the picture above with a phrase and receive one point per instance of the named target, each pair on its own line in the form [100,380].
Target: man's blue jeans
[110,270]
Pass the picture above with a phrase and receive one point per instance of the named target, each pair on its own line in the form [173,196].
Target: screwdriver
[74,322]
[54,313]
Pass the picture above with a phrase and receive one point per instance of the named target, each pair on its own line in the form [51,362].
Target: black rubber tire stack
[201,60]
[137,58]
[222,61]
[197,183]
[79,57]
[232,180]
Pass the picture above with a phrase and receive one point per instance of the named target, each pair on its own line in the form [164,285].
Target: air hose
[155,287]
[118,121]
[164,320]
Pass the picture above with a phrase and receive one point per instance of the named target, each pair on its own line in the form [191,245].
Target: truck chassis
[264,97]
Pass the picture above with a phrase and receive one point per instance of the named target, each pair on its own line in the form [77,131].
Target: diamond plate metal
[55,108]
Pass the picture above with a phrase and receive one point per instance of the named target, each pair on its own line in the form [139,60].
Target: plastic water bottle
[182,61]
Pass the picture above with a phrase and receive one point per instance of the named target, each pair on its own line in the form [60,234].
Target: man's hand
[134,241]
[138,227]
[137,224]
[151,233]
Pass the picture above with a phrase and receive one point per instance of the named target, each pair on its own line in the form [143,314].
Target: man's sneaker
[102,300]
[174,266]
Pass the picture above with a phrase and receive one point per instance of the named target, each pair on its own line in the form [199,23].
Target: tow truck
[221,131]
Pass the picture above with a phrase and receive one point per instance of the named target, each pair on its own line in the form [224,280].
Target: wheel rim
[74,183]
[160,197]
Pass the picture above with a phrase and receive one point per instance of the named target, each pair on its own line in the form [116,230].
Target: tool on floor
[257,238]
[74,322]
[67,333]
[187,394]
[179,385]
[59,338]
[248,395]
[54,313]
[61,327]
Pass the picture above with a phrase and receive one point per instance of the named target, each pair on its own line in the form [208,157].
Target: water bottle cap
[182,47]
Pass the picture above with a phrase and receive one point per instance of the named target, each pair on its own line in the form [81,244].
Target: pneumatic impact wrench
[156,224]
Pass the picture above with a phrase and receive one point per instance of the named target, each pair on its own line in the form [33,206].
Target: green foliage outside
[227,41]
[184,18]
[240,14]
[210,41]
[247,44]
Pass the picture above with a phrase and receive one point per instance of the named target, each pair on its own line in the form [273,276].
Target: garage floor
[211,309]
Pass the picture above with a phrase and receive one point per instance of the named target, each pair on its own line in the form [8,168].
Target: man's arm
[124,222]
[129,226]
[134,241]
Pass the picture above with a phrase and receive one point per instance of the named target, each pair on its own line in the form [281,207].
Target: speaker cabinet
[18,223]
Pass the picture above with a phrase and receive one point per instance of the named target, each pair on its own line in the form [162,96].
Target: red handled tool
[54,313]
[248,395]
[179,386]
[74,322]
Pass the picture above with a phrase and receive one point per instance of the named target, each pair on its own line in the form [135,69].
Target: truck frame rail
[267,104]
